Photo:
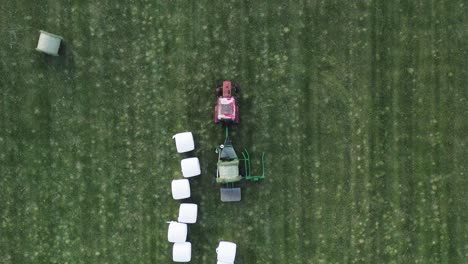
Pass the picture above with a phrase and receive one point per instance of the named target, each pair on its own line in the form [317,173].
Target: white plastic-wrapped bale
[177,232]
[49,43]
[182,252]
[180,189]
[184,142]
[188,213]
[226,252]
[190,167]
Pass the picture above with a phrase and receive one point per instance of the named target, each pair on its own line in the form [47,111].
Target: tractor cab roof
[226,108]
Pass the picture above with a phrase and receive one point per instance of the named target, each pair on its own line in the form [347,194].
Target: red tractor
[227,109]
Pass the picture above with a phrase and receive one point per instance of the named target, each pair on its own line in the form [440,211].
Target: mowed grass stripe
[329,107]
[441,166]
[386,221]
[275,76]
[9,159]
[446,118]
[15,200]
[158,138]
[424,152]
[459,95]
[308,120]
[407,118]
[457,206]
[356,62]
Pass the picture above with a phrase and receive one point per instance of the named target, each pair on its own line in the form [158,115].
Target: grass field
[360,106]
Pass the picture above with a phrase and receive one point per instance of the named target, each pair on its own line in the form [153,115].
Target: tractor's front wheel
[216,120]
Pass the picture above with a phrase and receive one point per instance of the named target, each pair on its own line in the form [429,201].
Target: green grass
[361,107]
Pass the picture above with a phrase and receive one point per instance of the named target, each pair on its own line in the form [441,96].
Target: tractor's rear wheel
[219,91]
[236,88]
